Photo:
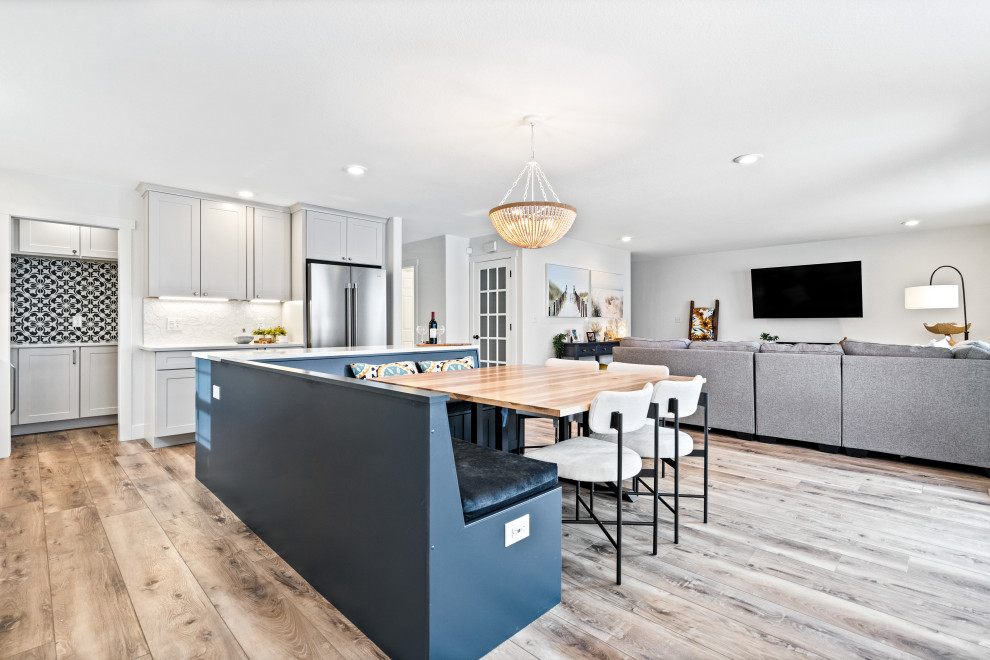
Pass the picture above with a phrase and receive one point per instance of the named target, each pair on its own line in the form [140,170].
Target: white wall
[536,328]
[443,286]
[80,202]
[431,278]
[664,287]
[458,289]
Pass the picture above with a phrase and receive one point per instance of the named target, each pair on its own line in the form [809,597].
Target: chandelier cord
[534,175]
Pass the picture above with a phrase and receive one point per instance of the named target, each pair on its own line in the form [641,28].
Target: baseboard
[172,440]
[63,425]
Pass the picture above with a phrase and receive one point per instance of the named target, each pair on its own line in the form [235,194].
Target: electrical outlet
[516,530]
[77,321]
[173,324]
[677,319]
[216,392]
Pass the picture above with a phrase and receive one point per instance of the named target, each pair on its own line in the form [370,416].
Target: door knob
[475,337]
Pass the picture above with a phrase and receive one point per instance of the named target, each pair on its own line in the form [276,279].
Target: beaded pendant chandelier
[531,223]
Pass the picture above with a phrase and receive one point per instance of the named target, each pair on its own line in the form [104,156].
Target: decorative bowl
[243,339]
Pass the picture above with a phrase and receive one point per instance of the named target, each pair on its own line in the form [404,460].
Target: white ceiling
[869,112]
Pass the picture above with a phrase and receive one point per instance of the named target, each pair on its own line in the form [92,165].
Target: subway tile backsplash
[46,292]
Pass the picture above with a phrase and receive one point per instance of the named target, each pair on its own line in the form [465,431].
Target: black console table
[581,349]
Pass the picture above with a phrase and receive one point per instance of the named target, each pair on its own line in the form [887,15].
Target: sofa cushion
[458,364]
[750,346]
[851,347]
[977,350]
[642,342]
[818,349]
[490,480]
[362,370]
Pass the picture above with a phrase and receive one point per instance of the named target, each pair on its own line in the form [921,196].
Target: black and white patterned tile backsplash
[46,293]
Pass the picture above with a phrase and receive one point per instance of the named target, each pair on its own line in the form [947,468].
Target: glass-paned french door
[492,305]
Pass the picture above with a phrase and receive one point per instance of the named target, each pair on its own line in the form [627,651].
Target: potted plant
[279,334]
[766,336]
[558,344]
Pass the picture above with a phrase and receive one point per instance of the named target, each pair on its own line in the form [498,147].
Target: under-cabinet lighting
[191,298]
[265,300]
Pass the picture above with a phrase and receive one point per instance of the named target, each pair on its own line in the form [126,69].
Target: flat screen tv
[807,292]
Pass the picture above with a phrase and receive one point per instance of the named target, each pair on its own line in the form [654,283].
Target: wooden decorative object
[711,320]
[947,328]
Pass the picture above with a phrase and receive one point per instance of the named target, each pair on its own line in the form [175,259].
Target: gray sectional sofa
[924,402]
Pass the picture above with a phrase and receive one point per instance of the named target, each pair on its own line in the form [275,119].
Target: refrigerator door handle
[348,336]
[353,318]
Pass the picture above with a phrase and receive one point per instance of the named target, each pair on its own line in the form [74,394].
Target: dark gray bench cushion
[490,480]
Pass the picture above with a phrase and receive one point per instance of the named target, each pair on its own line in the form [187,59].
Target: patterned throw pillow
[368,371]
[429,367]
[702,327]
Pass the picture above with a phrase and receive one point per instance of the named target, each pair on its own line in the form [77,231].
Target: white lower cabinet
[175,402]
[98,381]
[47,384]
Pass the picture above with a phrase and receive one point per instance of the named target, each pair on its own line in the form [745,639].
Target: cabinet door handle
[195,293]
[73,356]
[205,293]
[73,252]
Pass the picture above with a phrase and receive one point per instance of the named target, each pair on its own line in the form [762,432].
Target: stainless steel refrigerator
[345,306]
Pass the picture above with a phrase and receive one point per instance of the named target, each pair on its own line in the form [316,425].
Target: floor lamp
[939,296]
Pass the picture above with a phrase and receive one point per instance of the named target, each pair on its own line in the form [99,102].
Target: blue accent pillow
[365,371]
[459,364]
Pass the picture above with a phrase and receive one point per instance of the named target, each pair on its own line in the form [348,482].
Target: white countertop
[302,353]
[216,347]
[67,344]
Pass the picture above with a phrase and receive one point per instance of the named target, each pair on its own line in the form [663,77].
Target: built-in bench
[458,412]
[491,480]
[355,484]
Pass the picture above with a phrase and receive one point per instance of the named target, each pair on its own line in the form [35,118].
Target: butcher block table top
[551,391]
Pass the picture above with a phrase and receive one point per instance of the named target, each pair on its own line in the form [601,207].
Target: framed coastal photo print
[567,291]
[607,295]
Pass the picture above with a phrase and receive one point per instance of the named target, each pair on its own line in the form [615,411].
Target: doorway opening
[65,316]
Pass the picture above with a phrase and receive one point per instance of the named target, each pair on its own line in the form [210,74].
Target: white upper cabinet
[365,242]
[332,237]
[98,242]
[41,237]
[173,245]
[49,238]
[326,236]
[223,250]
[271,255]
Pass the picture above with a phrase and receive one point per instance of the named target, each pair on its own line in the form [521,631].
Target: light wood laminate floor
[114,550]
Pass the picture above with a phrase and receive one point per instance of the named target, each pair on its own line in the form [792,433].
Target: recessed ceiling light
[911,223]
[355,170]
[747,159]
[246,194]
[626,239]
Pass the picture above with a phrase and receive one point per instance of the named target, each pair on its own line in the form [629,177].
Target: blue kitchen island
[355,484]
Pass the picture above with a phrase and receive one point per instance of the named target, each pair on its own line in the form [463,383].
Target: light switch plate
[516,530]
[216,392]
[172,324]
[77,321]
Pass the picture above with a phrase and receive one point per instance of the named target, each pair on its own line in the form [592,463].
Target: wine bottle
[433,327]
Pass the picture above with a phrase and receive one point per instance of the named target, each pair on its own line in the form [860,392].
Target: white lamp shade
[938,296]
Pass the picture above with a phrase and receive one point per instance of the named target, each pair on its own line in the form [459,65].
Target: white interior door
[493,305]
